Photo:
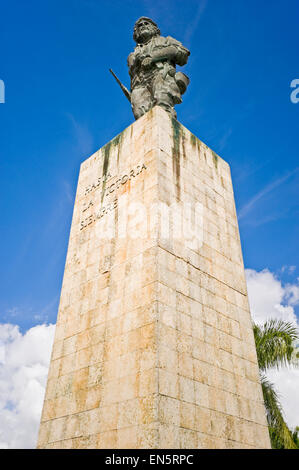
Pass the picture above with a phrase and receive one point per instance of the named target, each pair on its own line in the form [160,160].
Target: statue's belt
[143,78]
[159,67]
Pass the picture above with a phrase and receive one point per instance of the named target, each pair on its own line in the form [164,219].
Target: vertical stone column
[154,345]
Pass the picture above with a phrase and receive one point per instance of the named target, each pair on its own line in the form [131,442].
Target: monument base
[154,345]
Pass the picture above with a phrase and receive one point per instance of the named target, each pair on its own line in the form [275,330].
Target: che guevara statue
[152,69]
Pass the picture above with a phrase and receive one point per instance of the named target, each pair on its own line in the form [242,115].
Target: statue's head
[145,29]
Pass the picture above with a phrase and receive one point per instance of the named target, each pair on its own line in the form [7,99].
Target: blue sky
[61,105]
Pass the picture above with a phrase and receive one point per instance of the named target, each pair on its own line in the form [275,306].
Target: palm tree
[296,436]
[275,348]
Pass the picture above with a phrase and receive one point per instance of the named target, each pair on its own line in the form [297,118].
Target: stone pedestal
[154,345]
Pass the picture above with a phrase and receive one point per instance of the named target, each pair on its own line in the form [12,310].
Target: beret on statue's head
[141,19]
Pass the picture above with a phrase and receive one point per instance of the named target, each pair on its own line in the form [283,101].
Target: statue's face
[144,30]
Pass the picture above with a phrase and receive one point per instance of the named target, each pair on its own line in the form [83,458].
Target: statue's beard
[145,35]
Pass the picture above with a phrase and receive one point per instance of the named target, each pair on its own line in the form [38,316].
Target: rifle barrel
[124,89]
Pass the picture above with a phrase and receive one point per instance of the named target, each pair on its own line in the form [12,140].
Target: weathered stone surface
[154,346]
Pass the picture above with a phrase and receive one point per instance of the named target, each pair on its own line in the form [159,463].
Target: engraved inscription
[107,190]
[121,180]
[99,182]
[103,211]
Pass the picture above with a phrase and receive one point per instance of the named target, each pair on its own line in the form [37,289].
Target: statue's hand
[147,63]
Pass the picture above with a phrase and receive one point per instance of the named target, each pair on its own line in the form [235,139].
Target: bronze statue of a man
[152,68]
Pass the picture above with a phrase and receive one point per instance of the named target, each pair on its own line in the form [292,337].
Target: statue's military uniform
[154,80]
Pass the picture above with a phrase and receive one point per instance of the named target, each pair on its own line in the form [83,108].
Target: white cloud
[269,298]
[287,385]
[24,363]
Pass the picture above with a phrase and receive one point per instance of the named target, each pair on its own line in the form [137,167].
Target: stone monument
[154,345]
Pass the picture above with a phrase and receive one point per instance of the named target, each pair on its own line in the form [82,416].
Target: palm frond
[281,436]
[275,344]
